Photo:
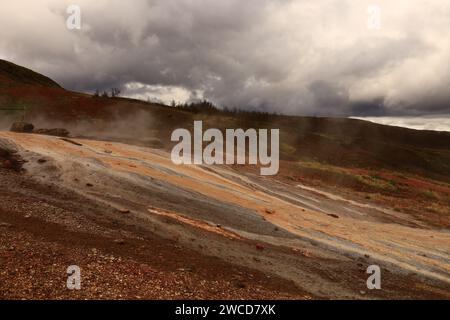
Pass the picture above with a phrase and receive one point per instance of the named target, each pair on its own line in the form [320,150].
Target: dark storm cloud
[296,57]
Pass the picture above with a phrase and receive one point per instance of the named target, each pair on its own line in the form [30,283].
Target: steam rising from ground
[137,127]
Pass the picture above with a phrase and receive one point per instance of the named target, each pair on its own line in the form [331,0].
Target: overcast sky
[318,57]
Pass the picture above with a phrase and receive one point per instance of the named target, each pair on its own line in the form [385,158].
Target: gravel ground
[35,253]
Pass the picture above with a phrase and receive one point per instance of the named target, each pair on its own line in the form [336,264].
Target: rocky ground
[141,228]
[117,261]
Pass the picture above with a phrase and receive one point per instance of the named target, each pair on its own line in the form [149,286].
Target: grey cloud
[294,57]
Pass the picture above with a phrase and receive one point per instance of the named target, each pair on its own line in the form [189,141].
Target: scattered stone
[119,241]
[306,254]
[89,185]
[259,247]
[7,164]
[5,225]
[333,216]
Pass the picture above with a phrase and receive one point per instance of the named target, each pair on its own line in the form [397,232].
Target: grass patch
[429,194]
[378,182]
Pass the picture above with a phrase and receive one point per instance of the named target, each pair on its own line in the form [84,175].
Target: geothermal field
[141,227]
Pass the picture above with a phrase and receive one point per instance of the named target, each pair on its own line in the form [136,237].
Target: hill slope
[395,164]
[12,74]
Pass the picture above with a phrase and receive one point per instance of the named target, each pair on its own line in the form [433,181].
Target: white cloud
[418,123]
[157,93]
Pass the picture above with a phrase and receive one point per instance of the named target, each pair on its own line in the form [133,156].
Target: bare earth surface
[142,227]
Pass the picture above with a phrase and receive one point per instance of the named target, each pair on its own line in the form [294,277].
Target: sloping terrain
[320,243]
[349,194]
[348,143]
[11,74]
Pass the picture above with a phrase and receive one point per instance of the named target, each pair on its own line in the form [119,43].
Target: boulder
[22,127]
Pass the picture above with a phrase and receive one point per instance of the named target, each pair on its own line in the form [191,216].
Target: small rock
[259,247]
[306,254]
[124,211]
[333,216]
[219,226]
[7,164]
[5,225]
[119,241]
[42,161]
[89,185]
[270,211]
